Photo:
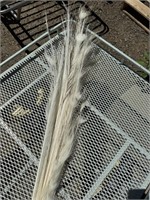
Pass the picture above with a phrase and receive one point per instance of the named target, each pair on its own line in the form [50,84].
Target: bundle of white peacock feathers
[68,69]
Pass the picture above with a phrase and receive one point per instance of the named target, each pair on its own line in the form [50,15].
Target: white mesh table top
[112,151]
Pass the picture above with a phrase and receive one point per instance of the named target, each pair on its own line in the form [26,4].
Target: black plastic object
[137,194]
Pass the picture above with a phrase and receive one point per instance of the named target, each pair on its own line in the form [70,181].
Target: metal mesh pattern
[25,132]
[130,173]
[20,79]
[17,170]
[132,125]
[96,148]
[111,154]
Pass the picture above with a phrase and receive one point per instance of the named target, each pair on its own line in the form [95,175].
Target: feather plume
[67,68]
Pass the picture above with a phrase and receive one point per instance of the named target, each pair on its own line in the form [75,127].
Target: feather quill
[67,69]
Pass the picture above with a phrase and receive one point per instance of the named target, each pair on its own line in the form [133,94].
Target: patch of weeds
[145,62]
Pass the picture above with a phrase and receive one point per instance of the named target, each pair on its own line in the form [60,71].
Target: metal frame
[11,8]
[137,65]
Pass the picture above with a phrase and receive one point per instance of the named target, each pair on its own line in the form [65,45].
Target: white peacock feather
[67,67]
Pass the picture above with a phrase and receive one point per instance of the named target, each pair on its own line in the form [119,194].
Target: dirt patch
[123,33]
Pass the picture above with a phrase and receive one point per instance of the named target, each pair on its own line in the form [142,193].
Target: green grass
[145,62]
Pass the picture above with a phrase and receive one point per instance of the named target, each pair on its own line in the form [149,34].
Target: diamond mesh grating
[111,154]
[131,122]
[31,136]
[17,170]
[96,148]
[130,174]
[23,76]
